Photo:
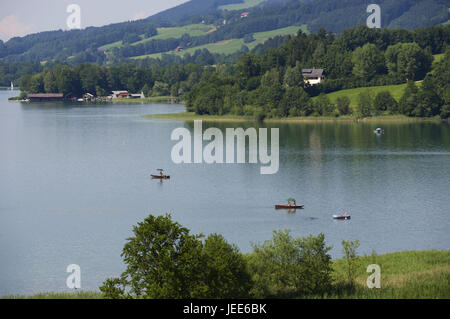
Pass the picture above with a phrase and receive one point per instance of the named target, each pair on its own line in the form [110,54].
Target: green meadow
[238,6]
[172,32]
[395,90]
[232,45]
[405,274]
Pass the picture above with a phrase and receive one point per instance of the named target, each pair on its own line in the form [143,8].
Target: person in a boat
[295,204]
[160,173]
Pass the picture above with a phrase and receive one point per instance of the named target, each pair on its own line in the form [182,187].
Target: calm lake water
[74,179]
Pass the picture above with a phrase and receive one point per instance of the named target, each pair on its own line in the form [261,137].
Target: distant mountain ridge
[204,7]
[85,45]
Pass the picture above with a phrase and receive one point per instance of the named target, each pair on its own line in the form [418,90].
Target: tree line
[172,80]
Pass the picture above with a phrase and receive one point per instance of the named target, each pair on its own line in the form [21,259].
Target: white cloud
[11,26]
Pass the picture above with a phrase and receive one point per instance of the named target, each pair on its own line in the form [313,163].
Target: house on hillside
[244,15]
[179,48]
[313,76]
[42,97]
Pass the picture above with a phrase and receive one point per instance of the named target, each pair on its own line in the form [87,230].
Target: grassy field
[166,33]
[60,295]
[395,90]
[244,5]
[233,45]
[406,274]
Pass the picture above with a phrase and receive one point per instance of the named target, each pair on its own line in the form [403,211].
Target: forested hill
[142,37]
[194,8]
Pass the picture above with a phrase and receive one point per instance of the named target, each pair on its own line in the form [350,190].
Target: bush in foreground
[290,267]
[165,261]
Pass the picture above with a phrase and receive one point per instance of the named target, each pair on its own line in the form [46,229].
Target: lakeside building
[137,96]
[41,97]
[118,94]
[88,97]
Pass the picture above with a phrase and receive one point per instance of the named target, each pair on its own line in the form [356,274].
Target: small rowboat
[289,207]
[161,176]
[342,216]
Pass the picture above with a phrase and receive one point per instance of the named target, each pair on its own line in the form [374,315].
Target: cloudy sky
[21,17]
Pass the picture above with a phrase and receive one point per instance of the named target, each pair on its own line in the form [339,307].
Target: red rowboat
[289,207]
[161,176]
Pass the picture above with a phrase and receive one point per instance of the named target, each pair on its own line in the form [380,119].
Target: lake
[74,179]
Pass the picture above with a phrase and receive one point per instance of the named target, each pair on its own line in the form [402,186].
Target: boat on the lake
[160,175]
[378,131]
[289,206]
[344,216]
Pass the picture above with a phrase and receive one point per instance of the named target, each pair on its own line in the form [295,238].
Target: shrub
[385,102]
[343,105]
[290,267]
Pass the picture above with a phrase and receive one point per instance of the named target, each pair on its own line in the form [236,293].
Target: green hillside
[80,46]
[233,45]
[238,6]
[172,32]
[395,90]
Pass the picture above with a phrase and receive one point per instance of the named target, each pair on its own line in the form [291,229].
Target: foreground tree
[164,261]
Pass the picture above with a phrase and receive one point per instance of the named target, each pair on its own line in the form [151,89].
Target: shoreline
[407,274]
[190,116]
[148,100]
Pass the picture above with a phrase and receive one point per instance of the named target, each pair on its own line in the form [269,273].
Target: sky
[22,17]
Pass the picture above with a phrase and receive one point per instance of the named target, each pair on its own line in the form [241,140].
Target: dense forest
[85,45]
[271,84]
